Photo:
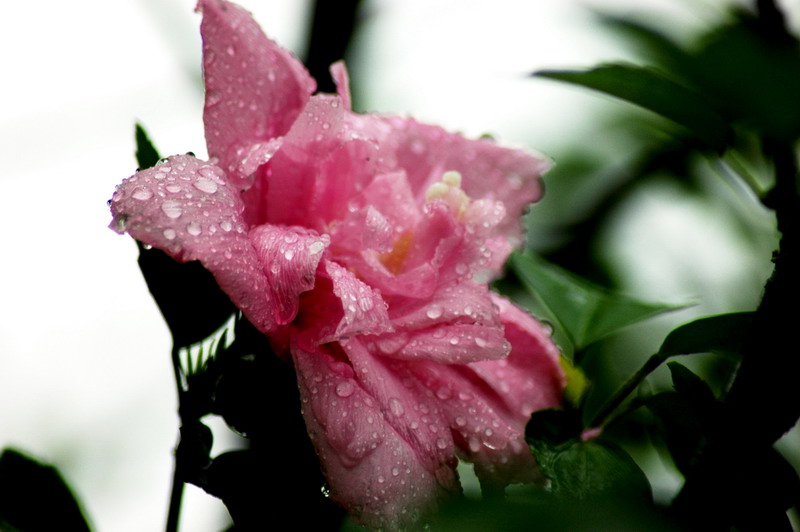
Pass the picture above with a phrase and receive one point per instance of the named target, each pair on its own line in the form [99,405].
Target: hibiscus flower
[361,246]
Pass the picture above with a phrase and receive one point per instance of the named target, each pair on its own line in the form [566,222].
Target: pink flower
[361,246]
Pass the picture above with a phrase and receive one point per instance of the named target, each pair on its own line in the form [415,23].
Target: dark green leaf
[679,428]
[695,391]
[146,154]
[585,312]
[724,333]
[654,91]
[597,470]
[192,303]
[34,496]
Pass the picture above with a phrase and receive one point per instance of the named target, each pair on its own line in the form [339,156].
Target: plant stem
[176,492]
[625,390]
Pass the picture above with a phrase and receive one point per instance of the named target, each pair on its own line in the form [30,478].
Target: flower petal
[342,81]
[254,89]
[364,308]
[449,344]
[289,256]
[489,170]
[372,470]
[187,208]
[531,378]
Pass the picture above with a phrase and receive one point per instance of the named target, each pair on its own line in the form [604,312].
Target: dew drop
[170,234]
[395,471]
[460,421]
[480,342]
[194,229]
[434,311]
[172,209]
[288,254]
[344,389]
[454,340]
[441,443]
[205,185]
[396,407]
[142,194]
[173,188]
[316,247]
[226,225]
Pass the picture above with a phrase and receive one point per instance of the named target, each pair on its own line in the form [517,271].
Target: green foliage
[656,92]
[584,312]
[34,496]
[146,154]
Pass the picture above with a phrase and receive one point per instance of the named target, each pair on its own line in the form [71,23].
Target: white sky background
[85,377]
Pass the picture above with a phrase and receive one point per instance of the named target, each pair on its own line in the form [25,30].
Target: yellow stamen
[393,260]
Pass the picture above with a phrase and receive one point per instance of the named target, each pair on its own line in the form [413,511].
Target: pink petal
[371,469]
[531,377]
[483,430]
[364,308]
[464,303]
[286,185]
[187,208]
[289,256]
[451,344]
[342,81]
[254,89]
[490,171]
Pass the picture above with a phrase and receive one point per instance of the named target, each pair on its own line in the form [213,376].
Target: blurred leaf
[652,44]
[751,69]
[586,312]
[34,496]
[723,333]
[652,90]
[146,153]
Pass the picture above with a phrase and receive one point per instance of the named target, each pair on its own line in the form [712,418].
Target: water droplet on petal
[344,389]
[395,471]
[434,311]
[173,188]
[170,234]
[460,421]
[172,209]
[396,407]
[480,342]
[205,185]
[142,194]
[288,254]
[226,225]
[441,443]
[193,229]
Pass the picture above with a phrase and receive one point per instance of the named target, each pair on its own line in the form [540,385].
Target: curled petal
[254,89]
[364,308]
[371,469]
[289,256]
[339,74]
[531,377]
[188,209]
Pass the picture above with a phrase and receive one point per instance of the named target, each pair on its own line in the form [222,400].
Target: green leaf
[678,426]
[34,496]
[597,470]
[585,312]
[654,91]
[723,333]
[146,153]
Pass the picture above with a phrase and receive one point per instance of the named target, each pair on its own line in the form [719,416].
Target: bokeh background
[85,376]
